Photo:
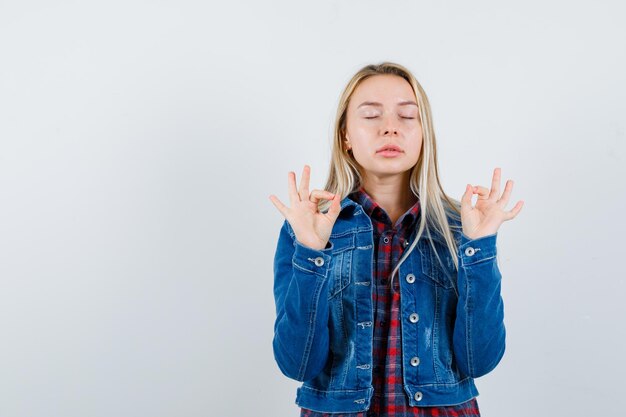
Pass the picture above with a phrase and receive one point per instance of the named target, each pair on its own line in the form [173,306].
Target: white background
[140,141]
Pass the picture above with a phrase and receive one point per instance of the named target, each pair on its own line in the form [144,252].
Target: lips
[389,147]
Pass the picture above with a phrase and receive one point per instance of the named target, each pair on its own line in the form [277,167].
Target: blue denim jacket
[324,314]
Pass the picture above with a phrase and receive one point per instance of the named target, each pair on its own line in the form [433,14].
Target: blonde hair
[345,175]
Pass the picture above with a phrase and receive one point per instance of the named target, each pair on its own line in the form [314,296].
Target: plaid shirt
[389,398]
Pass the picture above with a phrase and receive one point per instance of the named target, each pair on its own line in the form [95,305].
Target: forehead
[386,89]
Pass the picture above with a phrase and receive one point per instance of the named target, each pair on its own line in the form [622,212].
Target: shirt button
[319,261]
[418,396]
[414,317]
[386,240]
[410,278]
[415,361]
[469,251]
[406,243]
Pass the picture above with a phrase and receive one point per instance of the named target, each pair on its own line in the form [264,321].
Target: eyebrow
[375,103]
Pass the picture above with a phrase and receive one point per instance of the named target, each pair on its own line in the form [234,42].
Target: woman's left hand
[488,214]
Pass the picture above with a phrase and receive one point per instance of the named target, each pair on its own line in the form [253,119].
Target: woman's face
[382,112]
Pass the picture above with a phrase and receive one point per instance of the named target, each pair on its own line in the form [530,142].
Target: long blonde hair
[345,176]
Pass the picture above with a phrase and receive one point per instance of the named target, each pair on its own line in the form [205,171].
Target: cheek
[360,133]
[417,129]
[416,136]
[417,144]
[359,125]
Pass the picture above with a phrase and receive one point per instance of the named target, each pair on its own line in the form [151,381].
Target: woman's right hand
[312,228]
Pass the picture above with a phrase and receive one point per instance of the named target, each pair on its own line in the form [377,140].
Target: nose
[389,127]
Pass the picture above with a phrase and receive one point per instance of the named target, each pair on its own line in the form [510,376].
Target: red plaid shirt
[389,398]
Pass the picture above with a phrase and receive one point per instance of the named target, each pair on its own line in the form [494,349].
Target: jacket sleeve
[479,332]
[301,334]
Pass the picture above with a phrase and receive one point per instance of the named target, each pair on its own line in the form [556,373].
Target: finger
[515,210]
[317,195]
[335,208]
[293,193]
[304,183]
[495,184]
[279,205]
[506,194]
[466,199]
[483,192]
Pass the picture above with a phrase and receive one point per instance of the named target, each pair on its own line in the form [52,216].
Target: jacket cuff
[472,251]
[311,260]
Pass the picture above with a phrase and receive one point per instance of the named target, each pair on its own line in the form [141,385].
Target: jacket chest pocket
[440,270]
[341,263]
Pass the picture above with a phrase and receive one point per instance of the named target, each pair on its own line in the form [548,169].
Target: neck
[392,193]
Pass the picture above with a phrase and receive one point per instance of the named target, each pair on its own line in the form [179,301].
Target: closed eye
[403,117]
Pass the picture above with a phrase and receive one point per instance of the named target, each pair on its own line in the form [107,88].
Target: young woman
[362,342]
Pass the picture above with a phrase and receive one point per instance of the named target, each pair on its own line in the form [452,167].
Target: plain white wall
[139,142]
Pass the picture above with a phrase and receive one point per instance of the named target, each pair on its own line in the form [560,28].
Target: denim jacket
[453,321]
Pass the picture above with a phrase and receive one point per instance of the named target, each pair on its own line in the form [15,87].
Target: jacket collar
[348,202]
[349,206]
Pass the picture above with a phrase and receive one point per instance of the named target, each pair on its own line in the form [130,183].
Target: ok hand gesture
[488,214]
[312,228]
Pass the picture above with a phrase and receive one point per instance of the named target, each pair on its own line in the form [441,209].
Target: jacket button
[410,278]
[319,261]
[418,396]
[415,361]
[386,240]
[406,243]
[414,317]
[469,251]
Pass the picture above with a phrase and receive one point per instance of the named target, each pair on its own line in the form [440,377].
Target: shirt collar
[375,211]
